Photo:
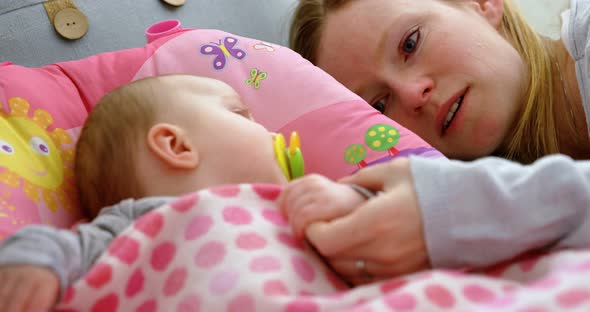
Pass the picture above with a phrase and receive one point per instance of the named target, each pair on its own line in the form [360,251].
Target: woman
[413,57]
[473,79]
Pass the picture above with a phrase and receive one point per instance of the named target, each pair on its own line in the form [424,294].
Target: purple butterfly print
[223,51]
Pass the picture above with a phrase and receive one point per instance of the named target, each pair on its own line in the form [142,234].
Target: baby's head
[170,135]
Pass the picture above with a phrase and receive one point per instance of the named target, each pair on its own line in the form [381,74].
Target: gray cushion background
[28,38]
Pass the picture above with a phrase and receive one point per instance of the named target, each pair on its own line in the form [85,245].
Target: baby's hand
[27,288]
[316,198]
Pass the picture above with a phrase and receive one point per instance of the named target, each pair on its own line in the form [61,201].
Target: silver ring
[361,266]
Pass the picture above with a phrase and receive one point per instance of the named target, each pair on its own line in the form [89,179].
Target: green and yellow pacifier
[290,158]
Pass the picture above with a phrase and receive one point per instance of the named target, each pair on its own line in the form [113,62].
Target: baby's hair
[534,134]
[105,167]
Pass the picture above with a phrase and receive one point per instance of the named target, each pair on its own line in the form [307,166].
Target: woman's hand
[316,198]
[383,238]
[27,288]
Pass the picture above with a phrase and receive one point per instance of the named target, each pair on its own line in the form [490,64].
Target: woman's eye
[411,43]
[380,105]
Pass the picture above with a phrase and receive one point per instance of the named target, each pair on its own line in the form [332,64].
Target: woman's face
[439,68]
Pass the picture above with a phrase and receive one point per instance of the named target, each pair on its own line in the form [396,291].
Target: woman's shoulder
[576,28]
[575,35]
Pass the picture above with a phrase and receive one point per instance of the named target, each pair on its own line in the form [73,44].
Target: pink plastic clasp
[161,29]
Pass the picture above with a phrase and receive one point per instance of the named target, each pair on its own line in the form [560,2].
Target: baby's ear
[491,10]
[172,146]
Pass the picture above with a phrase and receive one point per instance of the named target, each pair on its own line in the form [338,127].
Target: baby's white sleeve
[479,213]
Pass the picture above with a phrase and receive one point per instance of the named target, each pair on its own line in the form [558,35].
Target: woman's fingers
[371,177]
[350,269]
[337,236]
[361,268]
[385,232]
[360,227]
[380,177]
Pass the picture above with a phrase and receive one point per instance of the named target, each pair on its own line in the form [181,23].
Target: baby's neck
[180,187]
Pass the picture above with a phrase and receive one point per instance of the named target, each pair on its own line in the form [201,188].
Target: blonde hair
[533,136]
[105,167]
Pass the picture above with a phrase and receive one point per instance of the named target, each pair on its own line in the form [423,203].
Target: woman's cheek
[486,135]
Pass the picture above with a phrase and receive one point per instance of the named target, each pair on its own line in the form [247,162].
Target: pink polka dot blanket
[229,249]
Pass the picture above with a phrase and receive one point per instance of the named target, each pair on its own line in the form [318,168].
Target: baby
[143,144]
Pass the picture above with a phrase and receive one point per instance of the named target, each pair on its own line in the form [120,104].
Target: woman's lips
[448,113]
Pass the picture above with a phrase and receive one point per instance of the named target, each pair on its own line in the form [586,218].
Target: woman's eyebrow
[385,41]
[392,31]
[381,55]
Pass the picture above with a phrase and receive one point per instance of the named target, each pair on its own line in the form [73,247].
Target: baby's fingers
[43,298]
[291,194]
[5,288]
[301,213]
[339,235]
[18,296]
[314,207]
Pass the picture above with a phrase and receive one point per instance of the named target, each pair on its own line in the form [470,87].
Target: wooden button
[70,23]
[175,2]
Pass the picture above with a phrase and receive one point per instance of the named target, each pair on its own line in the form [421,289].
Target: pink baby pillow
[340,132]
[43,110]
[39,109]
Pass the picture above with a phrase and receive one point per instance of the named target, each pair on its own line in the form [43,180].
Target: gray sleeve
[576,37]
[71,254]
[479,213]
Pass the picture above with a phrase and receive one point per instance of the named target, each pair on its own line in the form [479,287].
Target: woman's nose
[413,94]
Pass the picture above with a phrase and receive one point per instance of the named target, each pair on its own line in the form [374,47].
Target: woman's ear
[491,10]
[171,145]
